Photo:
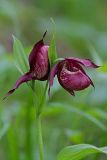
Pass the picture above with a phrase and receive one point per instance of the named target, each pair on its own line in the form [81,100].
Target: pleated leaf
[20,57]
[52,52]
[77,152]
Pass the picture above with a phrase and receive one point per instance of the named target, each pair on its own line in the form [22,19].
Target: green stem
[43,98]
[38,116]
[40,139]
[12,144]
[28,134]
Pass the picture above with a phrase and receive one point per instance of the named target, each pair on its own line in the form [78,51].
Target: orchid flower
[71,75]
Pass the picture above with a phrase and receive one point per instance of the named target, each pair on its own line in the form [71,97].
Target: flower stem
[28,134]
[39,129]
[43,98]
[38,117]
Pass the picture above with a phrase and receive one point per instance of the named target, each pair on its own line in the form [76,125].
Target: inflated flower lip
[71,75]
[39,65]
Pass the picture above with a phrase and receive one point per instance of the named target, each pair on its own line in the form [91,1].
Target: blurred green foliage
[81,28]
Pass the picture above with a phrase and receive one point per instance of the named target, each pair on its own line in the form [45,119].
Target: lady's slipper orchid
[39,65]
[71,75]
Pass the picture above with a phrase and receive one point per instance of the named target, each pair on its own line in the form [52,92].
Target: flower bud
[39,65]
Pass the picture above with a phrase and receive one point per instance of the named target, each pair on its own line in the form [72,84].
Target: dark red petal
[73,81]
[39,62]
[26,77]
[69,89]
[82,70]
[41,68]
[85,62]
[62,64]
[51,77]
[33,54]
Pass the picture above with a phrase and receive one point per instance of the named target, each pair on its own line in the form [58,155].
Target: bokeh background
[81,31]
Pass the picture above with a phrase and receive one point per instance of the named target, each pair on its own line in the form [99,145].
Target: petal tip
[8,94]
[93,86]
[44,34]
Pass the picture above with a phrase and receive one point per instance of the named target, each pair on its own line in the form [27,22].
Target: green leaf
[74,136]
[52,52]
[20,57]
[103,68]
[99,113]
[97,59]
[77,152]
[58,59]
[4,130]
[78,111]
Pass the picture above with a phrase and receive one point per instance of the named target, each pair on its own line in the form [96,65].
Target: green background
[81,31]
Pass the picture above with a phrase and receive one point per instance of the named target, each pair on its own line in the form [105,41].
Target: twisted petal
[26,77]
[85,62]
